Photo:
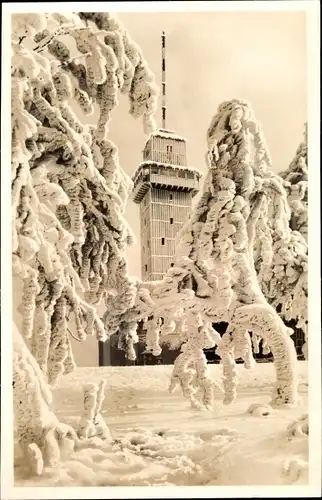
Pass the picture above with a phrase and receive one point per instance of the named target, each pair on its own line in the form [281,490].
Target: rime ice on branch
[68,189]
[69,192]
[214,273]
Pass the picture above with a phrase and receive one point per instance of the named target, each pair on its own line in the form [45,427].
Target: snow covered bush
[281,253]
[68,199]
[214,278]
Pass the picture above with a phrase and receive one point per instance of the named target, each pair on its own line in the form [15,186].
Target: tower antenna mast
[164,107]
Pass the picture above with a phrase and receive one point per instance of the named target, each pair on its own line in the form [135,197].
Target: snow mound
[206,436]
[299,427]
[259,410]
[296,470]
[164,443]
[143,458]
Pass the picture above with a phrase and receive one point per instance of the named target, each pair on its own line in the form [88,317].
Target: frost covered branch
[69,192]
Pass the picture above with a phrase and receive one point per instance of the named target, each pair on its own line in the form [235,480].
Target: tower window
[172,264]
[169,153]
[171,197]
[171,220]
[162,241]
[148,244]
[147,152]
[146,267]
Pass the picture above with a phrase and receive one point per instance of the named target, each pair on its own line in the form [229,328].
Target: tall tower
[164,186]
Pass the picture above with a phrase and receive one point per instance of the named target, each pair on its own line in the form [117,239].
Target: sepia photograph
[161,332]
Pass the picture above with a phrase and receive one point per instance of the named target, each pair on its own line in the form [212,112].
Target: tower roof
[167,134]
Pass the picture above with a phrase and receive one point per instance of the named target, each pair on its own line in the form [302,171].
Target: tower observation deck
[164,186]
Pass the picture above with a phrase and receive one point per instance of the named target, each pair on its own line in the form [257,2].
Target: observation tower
[164,186]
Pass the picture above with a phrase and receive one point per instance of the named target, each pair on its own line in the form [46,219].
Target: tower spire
[164,107]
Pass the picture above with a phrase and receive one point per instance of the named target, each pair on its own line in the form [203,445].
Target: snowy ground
[160,440]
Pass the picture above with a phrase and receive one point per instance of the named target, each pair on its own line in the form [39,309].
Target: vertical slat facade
[164,210]
[168,210]
[168,151]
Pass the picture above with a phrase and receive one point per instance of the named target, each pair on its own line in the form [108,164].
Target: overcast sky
[212,57]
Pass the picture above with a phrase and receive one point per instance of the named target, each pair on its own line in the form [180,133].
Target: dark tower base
[110,355]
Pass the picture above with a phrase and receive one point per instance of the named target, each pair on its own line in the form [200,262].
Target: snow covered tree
[281,257]
[214,277]
[68,199]
[296,185]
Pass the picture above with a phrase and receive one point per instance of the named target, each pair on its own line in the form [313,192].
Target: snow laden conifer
[296,185]
[68,199]
[214,277]
[281,254]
